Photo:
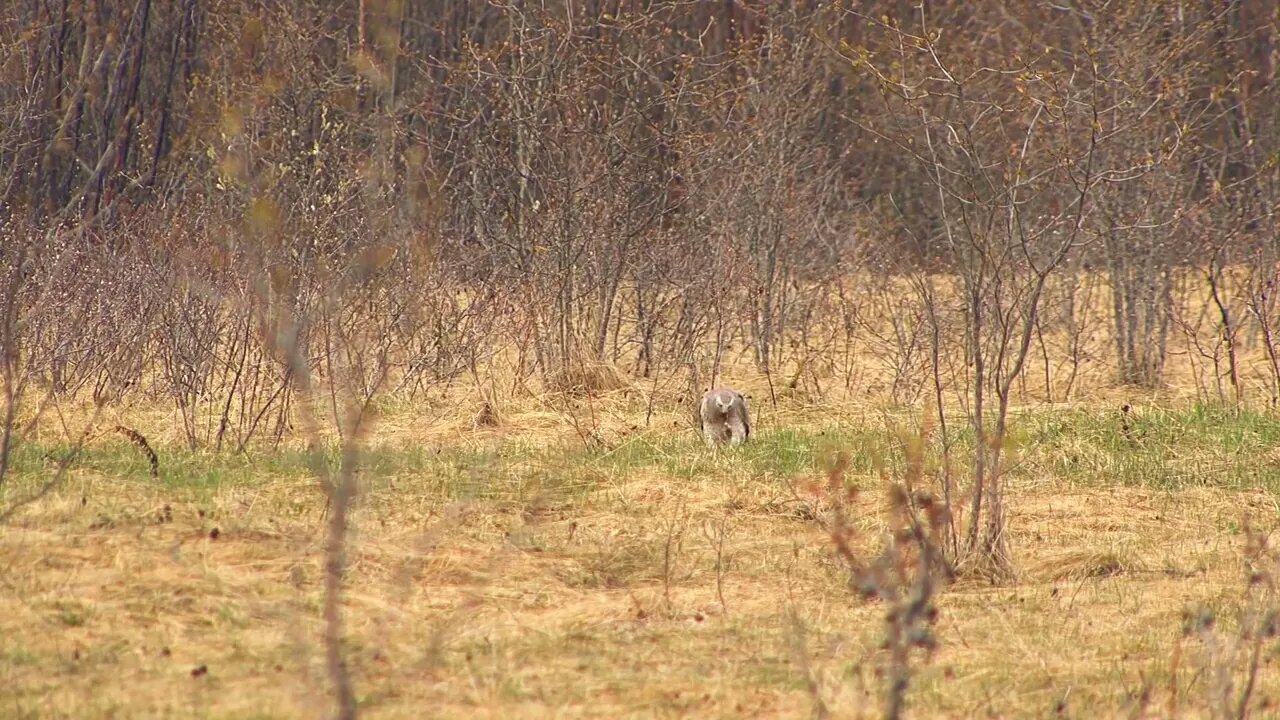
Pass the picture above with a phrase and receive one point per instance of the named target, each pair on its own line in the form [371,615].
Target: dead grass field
[520,572]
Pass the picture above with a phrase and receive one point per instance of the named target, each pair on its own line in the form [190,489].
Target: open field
[522,572]
[348,355]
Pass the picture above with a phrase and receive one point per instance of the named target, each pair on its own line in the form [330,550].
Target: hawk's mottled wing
[745,413]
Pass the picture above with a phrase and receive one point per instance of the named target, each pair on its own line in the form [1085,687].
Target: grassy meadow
[517,239]
[528,570]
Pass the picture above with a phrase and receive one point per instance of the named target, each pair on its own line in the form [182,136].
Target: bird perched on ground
[723,417]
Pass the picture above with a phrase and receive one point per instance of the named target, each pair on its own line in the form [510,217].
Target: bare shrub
[1232,657]
[905,574]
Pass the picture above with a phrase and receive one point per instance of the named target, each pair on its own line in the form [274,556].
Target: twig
[136,438]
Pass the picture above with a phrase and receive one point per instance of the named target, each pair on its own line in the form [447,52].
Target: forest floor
[537,569]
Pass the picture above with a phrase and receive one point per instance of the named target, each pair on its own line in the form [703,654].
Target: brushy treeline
[406,190]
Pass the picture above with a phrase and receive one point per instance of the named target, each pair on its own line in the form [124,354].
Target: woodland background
[638,183]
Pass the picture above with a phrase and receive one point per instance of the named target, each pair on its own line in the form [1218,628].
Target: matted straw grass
[519,571]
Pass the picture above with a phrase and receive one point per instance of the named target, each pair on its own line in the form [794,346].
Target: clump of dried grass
[587,377]
[1085,564]
[486,417]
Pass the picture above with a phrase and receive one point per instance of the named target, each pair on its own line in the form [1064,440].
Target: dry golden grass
[533,569]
